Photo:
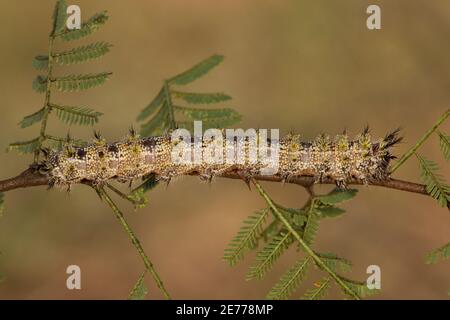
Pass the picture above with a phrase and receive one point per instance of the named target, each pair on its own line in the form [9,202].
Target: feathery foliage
[196,71]
[83,53]
[337,196]
[289,282]
[439,254]
[70,83]
[269,254]
[73,83]
[24,147]
[139,291]
[32,118]
[59,16]
[360,287]
[434,182]
[77,115]
[161,113]
[301,225]
[444,142]
[87,28]
[319,290]
[201,98]
[247,237]
[311,226]
[335,263]
[40,84]
[40,62]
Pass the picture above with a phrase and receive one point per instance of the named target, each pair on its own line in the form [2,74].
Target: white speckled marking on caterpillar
[339,159]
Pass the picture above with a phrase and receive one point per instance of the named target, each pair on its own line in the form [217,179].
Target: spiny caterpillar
[338,159]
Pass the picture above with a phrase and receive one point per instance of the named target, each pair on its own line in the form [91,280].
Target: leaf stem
[307,249]
[47,107]
[419,143]
[136,243]
[173,124]
[122,195]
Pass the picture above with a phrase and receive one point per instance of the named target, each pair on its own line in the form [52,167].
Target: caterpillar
[339,158]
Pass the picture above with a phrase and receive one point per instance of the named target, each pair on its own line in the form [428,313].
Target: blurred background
[307,66]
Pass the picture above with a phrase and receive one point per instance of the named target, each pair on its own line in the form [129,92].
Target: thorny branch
[32,178]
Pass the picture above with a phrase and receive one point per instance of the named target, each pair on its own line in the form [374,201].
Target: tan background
[311,66]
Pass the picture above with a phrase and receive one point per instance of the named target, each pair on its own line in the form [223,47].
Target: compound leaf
[197,71]
[32,118]
[269,254]
[434,182]
[201,98]
[77,115]
[247,237]
[83,53]
[289,282]
[25,146]
[73,83]
[87,28]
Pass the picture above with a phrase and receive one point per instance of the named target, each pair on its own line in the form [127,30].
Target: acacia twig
[304,245]
[32,178]
[136,243]
[408,154]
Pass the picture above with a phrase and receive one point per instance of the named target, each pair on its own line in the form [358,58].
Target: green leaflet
[247,237]
[444,142]
[337,196]
[158,124]
[207,114]
[139,291]
[269,254]
[32,118]
[289,282]
[311,226]
[201,98]
[360,288]
[77,115]
[59,16]
[197,71]
[330,211]
[73,83]
[83,53]
[152,106]
[25,146]
[334,262]
[137,195]
[434,182]
[40,62]
[87,28]
[297,216]
[439,254]
[271,230]
[40,84]
[319,291]
[2,203]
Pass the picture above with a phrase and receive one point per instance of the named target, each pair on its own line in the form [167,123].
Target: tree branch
[32,178]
